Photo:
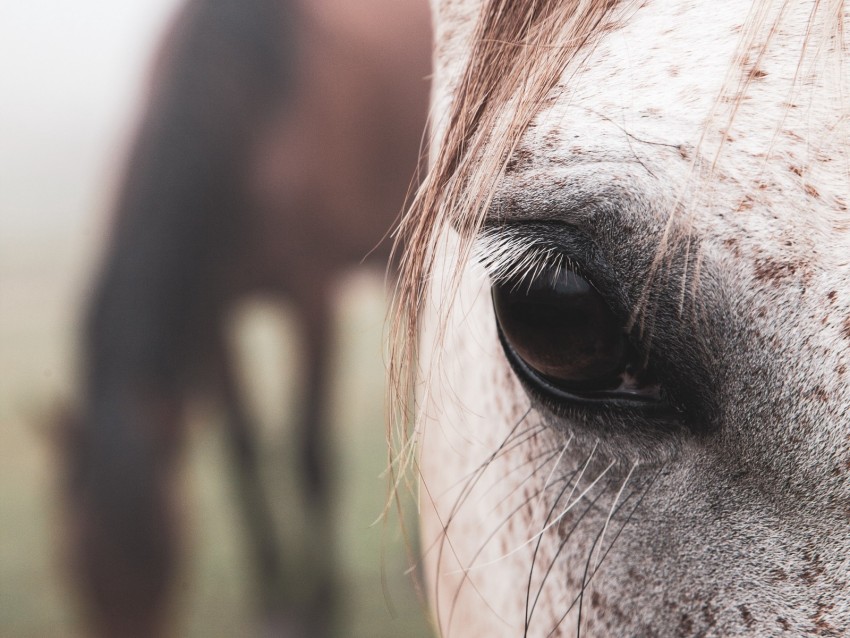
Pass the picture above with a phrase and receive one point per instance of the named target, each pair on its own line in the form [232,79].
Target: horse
[623,320]
[278,143]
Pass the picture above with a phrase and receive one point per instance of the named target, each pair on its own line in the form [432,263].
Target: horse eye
[562,332]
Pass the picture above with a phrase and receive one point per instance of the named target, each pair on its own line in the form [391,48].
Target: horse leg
[242,439]
[314,454]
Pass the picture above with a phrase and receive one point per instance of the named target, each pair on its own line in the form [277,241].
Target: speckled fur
[741,528]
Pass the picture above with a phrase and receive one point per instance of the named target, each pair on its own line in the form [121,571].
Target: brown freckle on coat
[673,71]
[831,295]
[779,574]
[818,393]
[732,244]
[811,191]
[840,203]
[708,615]
[840,370]
[810,576]
[845,328]
[686,625]
[824,628]
[774,271]
[797,170]
[595,600]
[756,74]
[683,152]
[746,615]
[745,204]
[633,575]
[783,623]
[520,157]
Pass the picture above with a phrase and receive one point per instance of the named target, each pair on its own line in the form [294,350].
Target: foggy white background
[70,73]
[71,77]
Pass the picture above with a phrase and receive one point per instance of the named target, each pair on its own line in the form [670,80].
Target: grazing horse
[625,312]
[279,141]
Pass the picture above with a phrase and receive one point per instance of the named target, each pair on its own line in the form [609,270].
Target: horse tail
[225,66]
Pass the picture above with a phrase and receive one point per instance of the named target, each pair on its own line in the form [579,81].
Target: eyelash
[509,254]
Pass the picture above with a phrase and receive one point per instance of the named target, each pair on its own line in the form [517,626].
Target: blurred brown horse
[278,144]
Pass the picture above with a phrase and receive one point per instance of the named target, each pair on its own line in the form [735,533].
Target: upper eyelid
[574,194]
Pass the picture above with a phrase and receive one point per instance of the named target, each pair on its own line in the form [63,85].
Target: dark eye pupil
[560,326]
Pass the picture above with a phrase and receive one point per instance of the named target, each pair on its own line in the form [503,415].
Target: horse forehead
[650,89]
[671,85]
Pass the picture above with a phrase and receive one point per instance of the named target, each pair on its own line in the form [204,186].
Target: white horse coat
[700,179]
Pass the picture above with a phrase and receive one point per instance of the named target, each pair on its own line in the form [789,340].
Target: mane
[519,53]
